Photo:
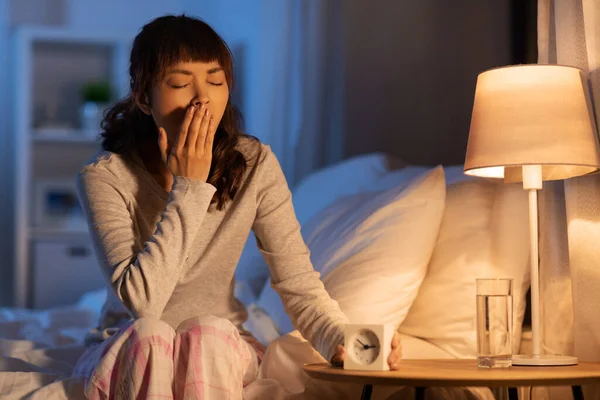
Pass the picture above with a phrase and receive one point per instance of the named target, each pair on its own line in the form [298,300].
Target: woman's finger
[342,352]
[192,136]
[393,357]
[210,138]
[393,360]
[203,133]
[396,353]
[395,340]
[163,144]
[185,125]
[338,357]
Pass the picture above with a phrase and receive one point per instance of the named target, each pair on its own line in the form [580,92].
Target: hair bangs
[192,42]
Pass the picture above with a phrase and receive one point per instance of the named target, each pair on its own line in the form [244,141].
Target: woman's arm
[317,317]
[143,275]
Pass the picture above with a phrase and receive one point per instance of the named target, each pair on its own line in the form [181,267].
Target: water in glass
[494,339]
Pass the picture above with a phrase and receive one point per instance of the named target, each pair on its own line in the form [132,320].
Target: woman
[170,204]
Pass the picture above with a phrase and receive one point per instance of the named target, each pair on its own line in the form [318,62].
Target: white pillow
[373,250]
[484,233]
[348,177]
[452,174]
[244,293]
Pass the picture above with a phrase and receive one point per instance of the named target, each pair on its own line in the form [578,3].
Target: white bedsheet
[38,351]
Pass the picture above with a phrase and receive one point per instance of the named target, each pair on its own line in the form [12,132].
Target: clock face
[365,346]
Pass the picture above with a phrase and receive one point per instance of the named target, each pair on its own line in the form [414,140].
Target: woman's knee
[148,326]
[206,320]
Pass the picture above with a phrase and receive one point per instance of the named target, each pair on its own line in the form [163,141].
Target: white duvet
[38,350]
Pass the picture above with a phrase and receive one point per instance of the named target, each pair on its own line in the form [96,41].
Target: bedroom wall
[5,163]
[410,73]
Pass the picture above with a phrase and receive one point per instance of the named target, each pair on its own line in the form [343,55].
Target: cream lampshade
[532,123]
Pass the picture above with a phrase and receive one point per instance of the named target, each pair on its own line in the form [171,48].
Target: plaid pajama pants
[205,358]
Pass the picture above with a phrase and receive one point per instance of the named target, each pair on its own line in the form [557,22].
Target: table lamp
[532,123]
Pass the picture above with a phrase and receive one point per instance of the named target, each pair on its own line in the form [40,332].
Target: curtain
[569,34]
[319,139]
[298,109]
[303,88]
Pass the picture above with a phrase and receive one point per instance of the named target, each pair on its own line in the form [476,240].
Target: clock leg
[366,393]
[577,392]
[420,393]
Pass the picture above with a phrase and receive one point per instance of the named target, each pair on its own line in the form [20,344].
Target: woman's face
[182,85]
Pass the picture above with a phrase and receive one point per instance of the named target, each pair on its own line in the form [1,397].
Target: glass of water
[494,322]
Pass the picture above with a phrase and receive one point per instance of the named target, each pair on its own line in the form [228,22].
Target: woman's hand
[395,355]
[191,154]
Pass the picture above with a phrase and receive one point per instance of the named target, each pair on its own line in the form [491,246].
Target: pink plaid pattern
[206,358]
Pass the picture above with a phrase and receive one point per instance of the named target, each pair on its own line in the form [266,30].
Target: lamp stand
[532,181]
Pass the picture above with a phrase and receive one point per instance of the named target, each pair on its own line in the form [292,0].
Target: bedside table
[421,374]
[63,269]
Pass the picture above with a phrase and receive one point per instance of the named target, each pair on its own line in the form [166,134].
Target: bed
[427,232]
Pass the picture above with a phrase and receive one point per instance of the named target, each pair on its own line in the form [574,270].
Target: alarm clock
[368,346]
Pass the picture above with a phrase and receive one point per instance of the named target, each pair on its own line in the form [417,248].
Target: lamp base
[544,360]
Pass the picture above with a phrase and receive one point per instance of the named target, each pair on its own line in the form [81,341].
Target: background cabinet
[54,261]
[62,270]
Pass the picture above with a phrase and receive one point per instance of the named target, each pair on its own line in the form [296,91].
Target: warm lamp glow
[532,115]
[486,172]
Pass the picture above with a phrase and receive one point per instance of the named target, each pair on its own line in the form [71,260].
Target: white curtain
[298,110]
[569,34]
[305,107]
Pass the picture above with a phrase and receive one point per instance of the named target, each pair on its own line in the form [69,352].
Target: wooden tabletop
[461,373]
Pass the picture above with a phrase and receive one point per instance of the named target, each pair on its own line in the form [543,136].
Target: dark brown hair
[161,43]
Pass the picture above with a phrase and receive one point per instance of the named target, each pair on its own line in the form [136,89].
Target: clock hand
[366,346]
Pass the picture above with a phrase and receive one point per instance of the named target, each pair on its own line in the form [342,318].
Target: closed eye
[187,84]
[180,86]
